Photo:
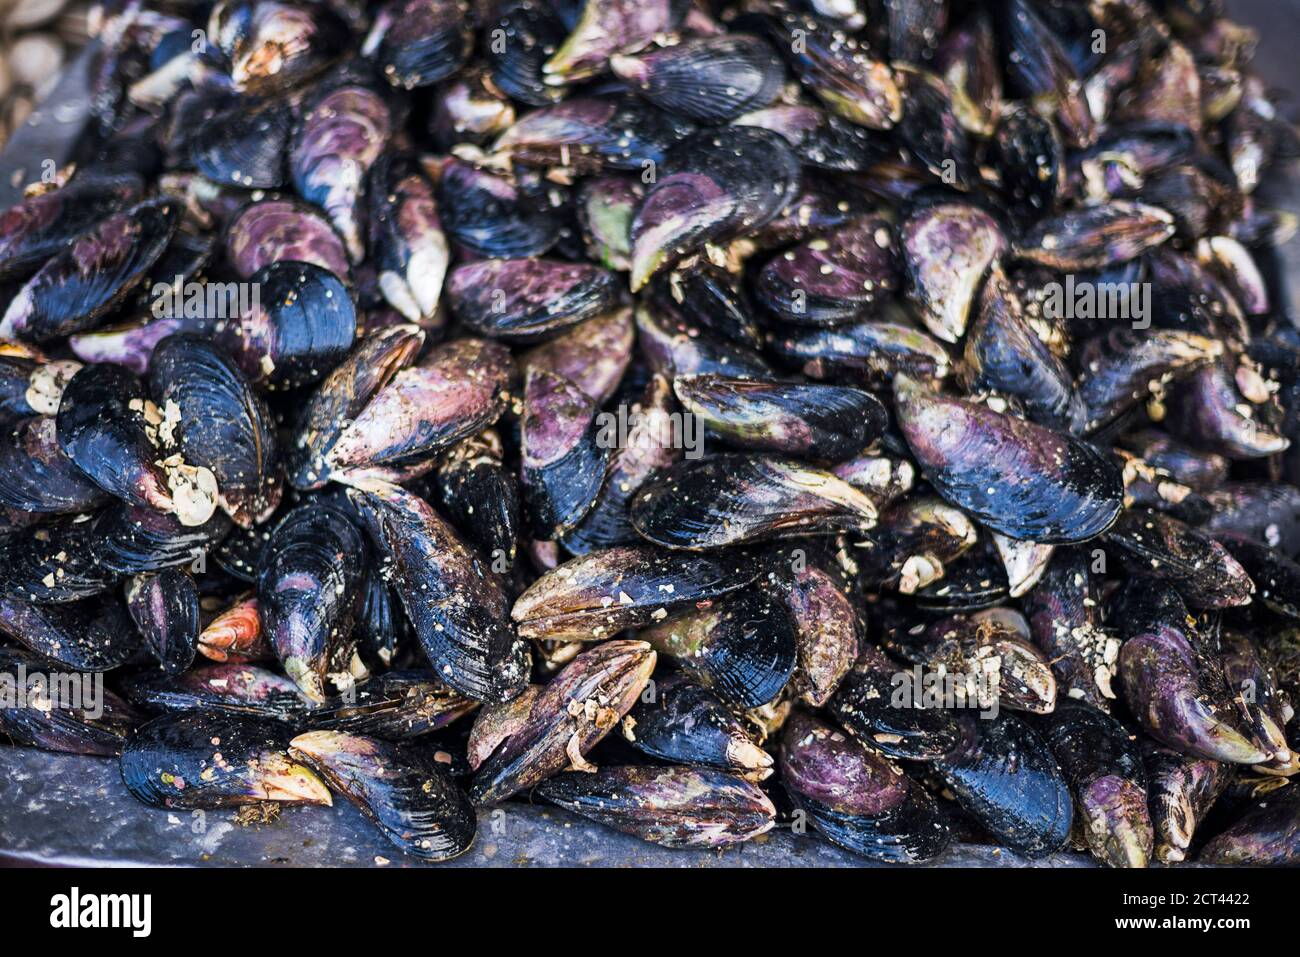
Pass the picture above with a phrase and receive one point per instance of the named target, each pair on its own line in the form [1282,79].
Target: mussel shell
[1018,478]
[520,300]
[671,806]
[1265,835]
[570,715]
[96,721]
[531,33]
[564,457]
[93,634]
[224,425]
[684,722]
[128,539]
[813,421]
[36,475]
[394,706]
[710,79]
[52,563]
[1153,544]
[304,329]
[1065,624]
[1120,370]
[406,241]
[92,274]
[459,389]
[673,346]
[38,227]
[471,645]
[590,134]
[713,298]
[480,496]
[1095,237]
[280,229]
[274,46]
[308,586]
[821,140]
[739,499]
[864,705]
[572,602]
[233,688]
[491,216]
[841,277]
[1267,512]
[346,391]
[420,42]
[947,249]
[868,352]
[165,608]
[245,147]
[215,759]
[1105,769]
[1182,789]
[856,798]
[1004,774]
[712,187]
[743,647]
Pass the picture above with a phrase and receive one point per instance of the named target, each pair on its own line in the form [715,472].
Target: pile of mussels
[871,416]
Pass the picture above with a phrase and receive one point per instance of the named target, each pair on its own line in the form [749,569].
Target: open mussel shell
[742,647]
[1005,776]
[308,587]
[709,79]
[394,706]
[739,499]
[947,249]
[491,215]
[519,300]
[1268,834]
[36,475]
[813,421]
[406,239]
[471,645]
[597,595]
[273,46]
[588,134]
[233,688]
[165,608]
[1181,789]
[222,426]
[856,798]
[573,712]
[844,276]
[339,399]
[865,705]
[681,721]
[1109,781]
[1169,686]
[213,759]
[459,389]
[1016,477]
[38,227]
[711,188]
[303,325]
[418,43]
[245,147]
[1151,543]
[672,806]
[341,135]
[92,274]
[564,458]
[92,634]
[272,230]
